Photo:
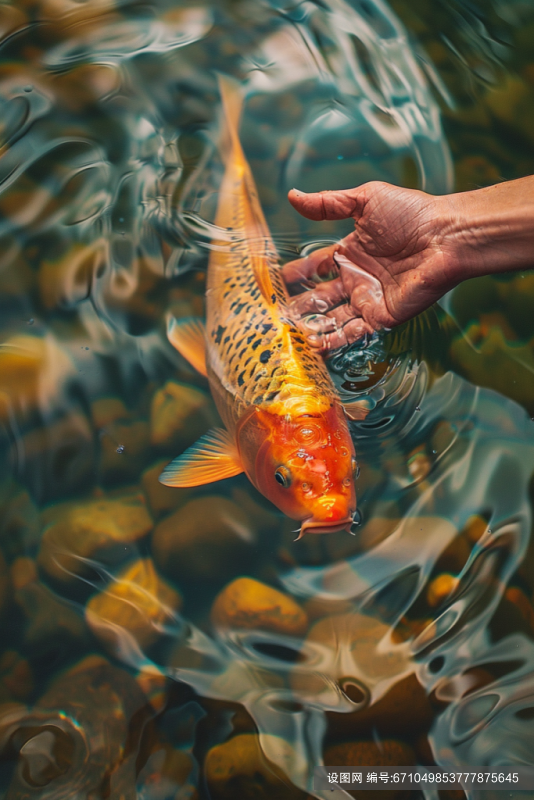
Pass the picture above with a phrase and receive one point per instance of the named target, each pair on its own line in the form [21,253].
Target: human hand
[395,264]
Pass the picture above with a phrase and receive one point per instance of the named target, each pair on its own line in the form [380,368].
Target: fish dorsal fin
[357,410]
[188,336]
[212,458]
[232,100]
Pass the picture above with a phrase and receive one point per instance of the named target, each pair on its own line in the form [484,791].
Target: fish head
[304,463]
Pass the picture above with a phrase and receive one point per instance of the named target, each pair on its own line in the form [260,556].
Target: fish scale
[254,350]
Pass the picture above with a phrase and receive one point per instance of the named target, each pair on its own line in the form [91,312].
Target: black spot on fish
[273,298]
[270,397]
[239,308]
[241,378]
[242,351]
[250,338]
[218,335]
[226,339]
[266,327]
[256,344]
[247,362]
[265,356]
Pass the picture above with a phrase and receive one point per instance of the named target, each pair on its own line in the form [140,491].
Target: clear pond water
[161,643]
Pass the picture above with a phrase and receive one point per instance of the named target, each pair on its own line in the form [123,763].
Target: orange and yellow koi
[285,425]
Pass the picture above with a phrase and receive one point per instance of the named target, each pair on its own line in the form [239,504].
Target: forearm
[491,229]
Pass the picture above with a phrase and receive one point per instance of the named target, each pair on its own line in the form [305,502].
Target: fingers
[319,263]
[340,204]
[349,333]
[324,323]
[324,297]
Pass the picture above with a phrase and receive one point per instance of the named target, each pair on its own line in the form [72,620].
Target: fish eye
[306,487]
[355,468]
[346,481]
[283,476]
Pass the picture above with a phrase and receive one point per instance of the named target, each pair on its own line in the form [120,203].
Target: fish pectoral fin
[212,458]
[188,336]
[357,410]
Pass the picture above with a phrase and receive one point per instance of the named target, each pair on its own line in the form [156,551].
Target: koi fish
[285,426]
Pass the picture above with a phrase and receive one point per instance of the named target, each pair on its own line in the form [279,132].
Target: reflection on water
[162,643]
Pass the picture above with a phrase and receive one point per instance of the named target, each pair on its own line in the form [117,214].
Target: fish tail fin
[232,100]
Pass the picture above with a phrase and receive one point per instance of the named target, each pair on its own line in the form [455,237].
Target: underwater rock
[522,603]
[385,753]
[53,625]
[32,372]
[180,414]
[239,769]
[20,526]
[59,457]
[75,532]
[161,499]
[404,709]
[490,360]
[137,603]
[123,450]
[352,654]
[247,603]
[71,746]
[204,539]
[516,298]
[4,583]
[474,172]
[106,410]
[168,773]
[511,103]
[441,588]
[16,675]
[355,668]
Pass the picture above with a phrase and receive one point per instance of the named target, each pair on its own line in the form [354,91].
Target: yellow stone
[179,415]
[32,371]
[107,410]
[247,603]
[475,527]
[240,769]
[161,499]
[137,603]
[77,531]
[441,588]
[204,539]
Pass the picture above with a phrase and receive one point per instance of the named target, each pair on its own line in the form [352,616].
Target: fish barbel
[285,426]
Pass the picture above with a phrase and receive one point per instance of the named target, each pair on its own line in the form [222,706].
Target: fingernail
[315,341]
[298,191]
[320,305]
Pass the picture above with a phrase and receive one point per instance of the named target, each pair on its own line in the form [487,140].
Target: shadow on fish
[285,426]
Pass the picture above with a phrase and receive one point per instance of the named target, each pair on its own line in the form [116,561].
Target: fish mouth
[318,526]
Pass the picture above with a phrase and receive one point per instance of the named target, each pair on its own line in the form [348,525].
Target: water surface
[124,671]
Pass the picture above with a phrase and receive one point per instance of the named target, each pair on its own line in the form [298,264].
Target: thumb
[340,204]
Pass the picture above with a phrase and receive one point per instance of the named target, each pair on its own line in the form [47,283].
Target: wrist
[490,230]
